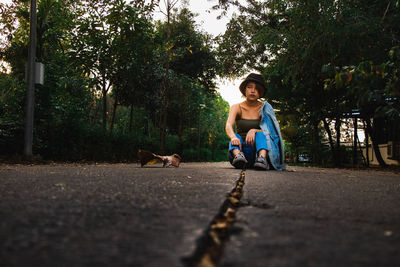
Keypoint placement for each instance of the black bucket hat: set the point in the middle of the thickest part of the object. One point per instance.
(253, 77)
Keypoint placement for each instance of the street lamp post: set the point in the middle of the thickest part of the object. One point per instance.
(30, 94)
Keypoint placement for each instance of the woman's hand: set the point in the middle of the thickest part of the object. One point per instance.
(251, 137)
(236, 142)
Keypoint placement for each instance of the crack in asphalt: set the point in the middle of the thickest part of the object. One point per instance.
(211, 244)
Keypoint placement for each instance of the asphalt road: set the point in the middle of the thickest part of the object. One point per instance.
(124, 215)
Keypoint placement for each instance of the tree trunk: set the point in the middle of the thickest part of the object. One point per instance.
(113, 116)
(316, 147)
(93, 118)
(149, 127)
(198, 138)
(169, 6)
(104, 91)
(366, 144)
(164, 130)
(375, 145)
(180, 121)
(180, 127)
(163, 124)
(160, 123)
(180, 115)
(355, 156)
(131, 119)
(166, 84)
(337, 159)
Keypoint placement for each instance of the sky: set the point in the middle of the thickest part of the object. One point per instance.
(208, 22)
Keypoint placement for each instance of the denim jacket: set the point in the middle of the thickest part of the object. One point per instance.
(270, 127)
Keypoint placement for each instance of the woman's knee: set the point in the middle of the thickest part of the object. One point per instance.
(233, 147)
(261, 141)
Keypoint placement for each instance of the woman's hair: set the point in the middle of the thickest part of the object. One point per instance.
(258, 80)
(259, 88)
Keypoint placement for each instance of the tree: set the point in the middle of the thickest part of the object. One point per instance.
(169, 5)
(52, 105)
(373, 86)
(110, 53)
(290, 41)
(92, 47)
(191, 67)
(133, 47)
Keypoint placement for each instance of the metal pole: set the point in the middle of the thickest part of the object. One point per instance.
(30, 94)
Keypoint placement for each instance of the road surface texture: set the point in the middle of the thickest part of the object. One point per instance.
(124, 215)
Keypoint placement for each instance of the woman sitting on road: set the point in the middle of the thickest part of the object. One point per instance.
(258, 142)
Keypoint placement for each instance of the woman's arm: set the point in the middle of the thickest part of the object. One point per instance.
(233, 111)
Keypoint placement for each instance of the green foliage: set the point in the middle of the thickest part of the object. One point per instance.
(290, 42)
(374, 87)
(11, 114)
(100, 53)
